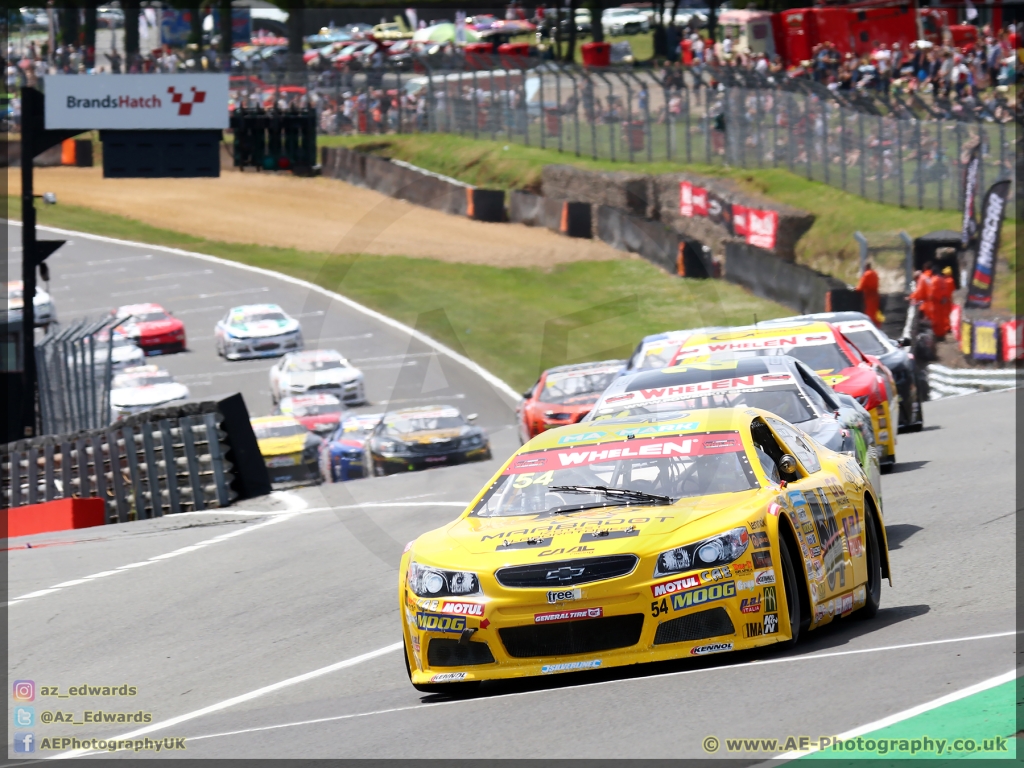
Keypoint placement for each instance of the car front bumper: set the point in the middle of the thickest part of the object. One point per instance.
(296, 470)
(415, 462)
(271, 346)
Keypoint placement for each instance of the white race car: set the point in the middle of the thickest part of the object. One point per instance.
(315, 372)
(124, 353)
(142, 387)
(257, 330)
(45, 313)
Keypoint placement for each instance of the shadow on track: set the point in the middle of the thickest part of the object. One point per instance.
(895, 535)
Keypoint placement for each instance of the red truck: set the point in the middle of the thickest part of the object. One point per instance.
(856, 28)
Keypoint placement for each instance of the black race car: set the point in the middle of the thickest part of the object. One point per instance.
(911, 379)
(424, 437)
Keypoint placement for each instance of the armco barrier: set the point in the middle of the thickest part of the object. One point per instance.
(403, 181)
(769, 277)
(948, 382)
(59, 515)
(190, 457)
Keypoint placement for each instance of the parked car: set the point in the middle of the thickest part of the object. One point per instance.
(624, 21)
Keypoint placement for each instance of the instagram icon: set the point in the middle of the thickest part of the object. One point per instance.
(24, 690)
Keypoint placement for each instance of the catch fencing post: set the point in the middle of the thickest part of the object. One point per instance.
(558, 104)
(216, 459)
(959, 155)
(862, 156)
(809, 132)
(842, 145)
(15, 470)
(543, 116)
(32, 455)
(476, 104)
(198, 501)
(152, 471)
(920, 166)
(82, 454)
(170, 465)
(117, 479)
(492, 116)
(824, 137)
(99, 467)
(981, 157)
(881, 160)
(66, 470)
(131, 453)
(899, 159)
(49, 486)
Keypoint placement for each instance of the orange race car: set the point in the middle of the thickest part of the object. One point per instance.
(564, 395)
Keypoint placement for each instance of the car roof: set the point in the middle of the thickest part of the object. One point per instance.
(700, 421)
(423, 410)
(270, 420)
(256, 308)
(131, 309)
(316, 354)
(686, 374)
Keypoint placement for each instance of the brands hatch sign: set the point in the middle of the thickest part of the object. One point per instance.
(137, 102)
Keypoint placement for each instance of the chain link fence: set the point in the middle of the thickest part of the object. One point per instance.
(892, 150)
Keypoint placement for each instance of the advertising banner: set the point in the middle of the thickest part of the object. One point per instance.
(762, 227)
(137, 102)
(986, 340)
(979, 290)
(970, 193)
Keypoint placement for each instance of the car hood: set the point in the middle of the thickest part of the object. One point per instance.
(488, 535)
(262, 328)
(313, 378)
(153, 395)
(573, 404)
(279, 446)
(855, 381)
(320, 422)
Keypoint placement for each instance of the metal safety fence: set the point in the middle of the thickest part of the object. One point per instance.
(163, 461)
(635, 115)
(74, 370)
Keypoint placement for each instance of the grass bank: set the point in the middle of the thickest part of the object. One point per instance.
(514, 322)
(828, 246)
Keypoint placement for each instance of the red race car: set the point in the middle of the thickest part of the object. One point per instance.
(564, 395)
(317, 413)
(152, 328)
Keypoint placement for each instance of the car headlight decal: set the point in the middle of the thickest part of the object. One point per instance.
(426, 581)
(714, 550)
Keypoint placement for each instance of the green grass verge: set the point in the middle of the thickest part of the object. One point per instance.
(828, 246)
(514, 322)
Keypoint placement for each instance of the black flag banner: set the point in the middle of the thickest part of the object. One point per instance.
(970, 195)
(983, 275)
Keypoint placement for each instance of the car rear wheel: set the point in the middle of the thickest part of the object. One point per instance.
(874, 552)
(793, 597)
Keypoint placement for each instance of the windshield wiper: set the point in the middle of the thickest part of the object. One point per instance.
(625, 494)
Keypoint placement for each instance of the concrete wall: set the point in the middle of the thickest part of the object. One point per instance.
(11, 156)
(770, 277)
(628, 191)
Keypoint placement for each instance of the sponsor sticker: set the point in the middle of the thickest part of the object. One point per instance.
(765, 577)
(750, 605)
(770, 600)
(463, 609)
(570, 615)
(744, 585)
(742, 569)
(716, 574)
(762, 559)
(677, 585)
(702, 595)
(562, 595)
(759, 539)
(570, 666)
(584, 438)
(702, 650)
(448, 677)
(756, 525)
(847, 602)
(433, 622)
(768, 625)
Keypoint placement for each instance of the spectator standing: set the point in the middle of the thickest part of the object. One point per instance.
(868, 288)
(942, 300)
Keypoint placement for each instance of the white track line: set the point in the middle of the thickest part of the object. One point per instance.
(396, 646)
(476, 368)
(296, 504)
(906, 714)
(245, 697)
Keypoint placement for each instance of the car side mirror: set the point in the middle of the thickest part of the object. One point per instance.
(787, 464)
(472, 417)
(527, 394)
(904, 342)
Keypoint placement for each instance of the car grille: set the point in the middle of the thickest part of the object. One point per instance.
(565, 573)
(572, 637)
(696, 626)
(324, 388)
(451, 653)
(438, 447)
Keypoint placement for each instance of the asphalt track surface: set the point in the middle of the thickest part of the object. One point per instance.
(272, 629)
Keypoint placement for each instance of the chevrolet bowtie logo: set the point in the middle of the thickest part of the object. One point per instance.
(566, 573)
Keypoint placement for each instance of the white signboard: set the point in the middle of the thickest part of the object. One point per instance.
(137, 102)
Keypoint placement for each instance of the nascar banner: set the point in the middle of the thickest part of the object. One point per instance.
(983, 275)
(970, 193)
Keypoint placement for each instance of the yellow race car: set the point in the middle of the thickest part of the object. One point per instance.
(642, 539)
(289, 450)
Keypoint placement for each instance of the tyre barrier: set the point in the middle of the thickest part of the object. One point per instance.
(949, 382)
(404, 181)
(183, 458)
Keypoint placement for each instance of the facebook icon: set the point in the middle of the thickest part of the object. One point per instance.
(24, 742)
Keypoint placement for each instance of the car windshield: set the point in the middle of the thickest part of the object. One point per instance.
(658, 357)
(576, 385)
(148, 317)
(401, 425)
(129, 380)
(355, 430)
(265, 431)
(315, 409)
(259, 317)
(867, 342)
(672, 468)
(817, 357)
(309, 364)
(787, 402)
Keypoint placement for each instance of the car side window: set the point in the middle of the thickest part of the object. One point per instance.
(797, 444)
(768, 451)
